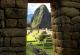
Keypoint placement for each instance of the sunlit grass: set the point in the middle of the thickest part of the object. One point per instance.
(31, 39)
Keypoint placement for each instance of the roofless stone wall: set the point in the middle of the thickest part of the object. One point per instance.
(13, 27)
(66, 27)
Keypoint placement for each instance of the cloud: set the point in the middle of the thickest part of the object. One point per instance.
(33, 6)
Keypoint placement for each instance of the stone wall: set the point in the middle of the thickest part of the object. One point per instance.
(13, 27)
(66, 27)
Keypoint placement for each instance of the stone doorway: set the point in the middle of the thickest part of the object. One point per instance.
(13, 32)
(40, 37)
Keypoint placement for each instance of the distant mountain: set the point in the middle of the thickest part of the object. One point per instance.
(41, 18)
(29, 17)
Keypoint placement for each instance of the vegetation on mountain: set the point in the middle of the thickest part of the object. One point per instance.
(41, 18)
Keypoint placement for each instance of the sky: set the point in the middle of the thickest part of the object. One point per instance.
(33, 6)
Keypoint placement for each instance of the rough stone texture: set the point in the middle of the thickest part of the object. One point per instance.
(71, 4)
(22, 23)
(11, 22)
(18, 41)
(2, 24)
(15, 13)
(60, 28)
(62, 19)
(7, 3)
(21, 3)
(66, 40)
(72, 12)
(58, 35)
(66, 27)
(7, 42)
(1, 41)
(76, 19)
(76, 27)
(72, 0)
(1, 14)
(12, 36)
(75, 35)
(14, 32)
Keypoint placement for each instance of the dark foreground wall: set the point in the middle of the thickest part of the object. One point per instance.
(13, 27)
(66, 27)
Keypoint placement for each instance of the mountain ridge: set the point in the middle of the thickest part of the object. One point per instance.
(41, 18)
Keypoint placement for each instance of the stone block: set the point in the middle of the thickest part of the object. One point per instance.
(8, 53)
(74, 44)
(1, 14)
(22, 23)
(67, 51)
(21, 53)
(62, 43)
(61, 20)
(62, 27)
(11, 22)
(79, 43)
(2, 23)
(1, 41)
(59, 50)
(14, 32)
(76, 19)
(71, 4)
(58, 43)
(18, 41)
(67, 43)
(71, 12)
(6, 42)
(75, 51)
(4, 53)
(57, 28)
(7, 3)
(72, 0)
(1, 33)
(76, 27)
(75, 35)
(65, 36)
(63, 51)
(13, 49)
(57, 53)
(67, 27)
(15, 13)
(18, 49)
(12, 53)
(58, 35)
(21, 3)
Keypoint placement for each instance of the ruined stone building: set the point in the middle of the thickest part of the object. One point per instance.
(65, 22)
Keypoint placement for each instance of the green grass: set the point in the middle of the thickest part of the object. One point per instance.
(29, 51)
(31, 39)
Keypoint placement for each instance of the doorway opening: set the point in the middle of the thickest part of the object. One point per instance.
(39, 34)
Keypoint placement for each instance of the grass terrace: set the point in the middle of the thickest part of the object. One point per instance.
(33, 39)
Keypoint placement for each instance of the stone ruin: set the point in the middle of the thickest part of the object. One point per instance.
(65, 23)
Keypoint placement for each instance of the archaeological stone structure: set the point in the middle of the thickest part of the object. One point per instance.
(13, 27)
(65, 21)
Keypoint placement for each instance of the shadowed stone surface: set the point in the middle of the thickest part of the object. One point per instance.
(15, 13)
(66, 37)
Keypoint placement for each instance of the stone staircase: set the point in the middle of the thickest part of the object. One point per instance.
(47, 42)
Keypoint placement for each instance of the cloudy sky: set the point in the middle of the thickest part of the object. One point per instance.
(33, 6)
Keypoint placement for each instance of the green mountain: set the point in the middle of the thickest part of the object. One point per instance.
(41, 18)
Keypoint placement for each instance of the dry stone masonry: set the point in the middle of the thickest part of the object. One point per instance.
(65, 23)
(13, 27)
(66, 27)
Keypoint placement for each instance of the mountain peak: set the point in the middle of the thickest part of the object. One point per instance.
(41, 17)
